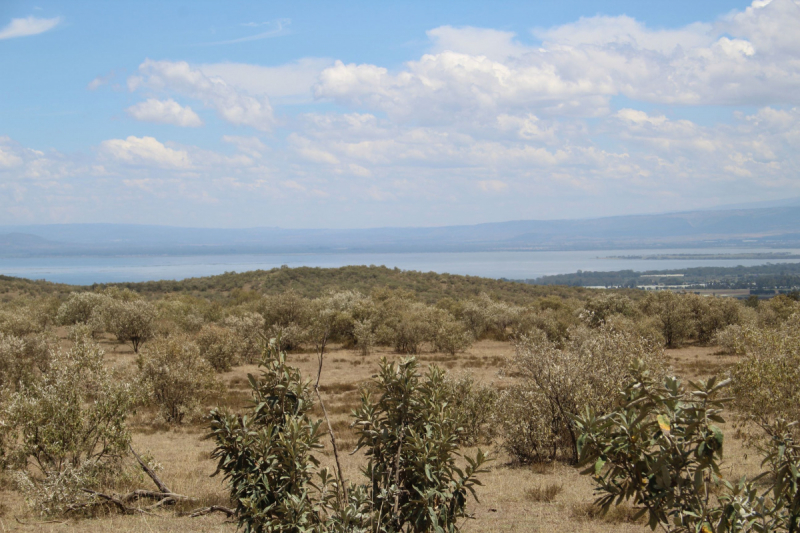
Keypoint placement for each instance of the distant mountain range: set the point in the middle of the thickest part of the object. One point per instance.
(775, 226)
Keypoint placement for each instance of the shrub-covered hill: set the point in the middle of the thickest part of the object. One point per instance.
(310, 282)
(11, 287)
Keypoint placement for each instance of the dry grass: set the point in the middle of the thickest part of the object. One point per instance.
(550, 497)
(544, 493)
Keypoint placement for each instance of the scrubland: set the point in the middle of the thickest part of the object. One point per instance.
(518, 369)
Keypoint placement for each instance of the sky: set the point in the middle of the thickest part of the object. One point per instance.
(368, 114)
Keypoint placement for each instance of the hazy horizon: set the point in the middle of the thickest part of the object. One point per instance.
(376, 115)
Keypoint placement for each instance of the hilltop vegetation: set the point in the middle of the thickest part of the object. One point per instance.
(310, 282)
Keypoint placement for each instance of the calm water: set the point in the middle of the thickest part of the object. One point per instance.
(512, 265)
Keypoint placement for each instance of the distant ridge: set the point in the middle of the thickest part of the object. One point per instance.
(769, 226)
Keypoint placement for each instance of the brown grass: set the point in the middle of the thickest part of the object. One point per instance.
(544, 493)
(547, 497)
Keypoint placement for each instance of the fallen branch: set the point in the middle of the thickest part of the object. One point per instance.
(149, 471)
(36, 522)
(142, 494)
(109, 498)
(202, 511)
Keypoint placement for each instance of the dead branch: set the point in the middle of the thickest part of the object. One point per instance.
(37, 522)
(164, 497)
(202, 511)
(149, 471)
(109, 498)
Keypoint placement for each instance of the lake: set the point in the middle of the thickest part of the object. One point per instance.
(511, 265)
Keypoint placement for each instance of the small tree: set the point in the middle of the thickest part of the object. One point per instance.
(473, 405)
(365, 336)
(22, 359)
(174, 377)
(250, 330)
(131, 321)
(674, 315)
(599, 309)
(451, 336)
(219, 346)
(69, 425)
(80, 307)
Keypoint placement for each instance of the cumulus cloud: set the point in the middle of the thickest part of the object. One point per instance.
(594, 112)
(232, 105)
(8, 159)
(145, 151)
(470, 74)
(165, 112)
(494, 44)
(28, 26)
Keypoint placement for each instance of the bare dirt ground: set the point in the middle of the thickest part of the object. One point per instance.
(509, 499)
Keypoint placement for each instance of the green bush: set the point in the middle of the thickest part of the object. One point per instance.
(80, 307)
(268, 457)
(219, 346)
(473, 405)
(249, 328)
(22, 360)
(661, 450)
(557, 382)
(765, 380)
(450, 336)
(174, 377)
(365, 336)
(67, 430)
(131, 321)
(410, 436)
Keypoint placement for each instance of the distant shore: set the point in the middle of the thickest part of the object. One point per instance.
(712, 257)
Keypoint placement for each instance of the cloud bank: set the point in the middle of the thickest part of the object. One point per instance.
(601, 116)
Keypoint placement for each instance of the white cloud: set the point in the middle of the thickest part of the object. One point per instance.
(234, 106)
(493, 186)
(99, 81)
(494, 44)
(291, 82)
(451, 86)
(145, 151)
(251, 146)
(475, 75)
(483, 112)
(636, 117)
(624, 32)
(165, 112)
(28, 26)
(8, 159)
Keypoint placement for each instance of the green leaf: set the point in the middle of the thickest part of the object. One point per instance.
(664, 424)
(598, 466)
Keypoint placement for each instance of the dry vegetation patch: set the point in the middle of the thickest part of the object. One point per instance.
(466, 326)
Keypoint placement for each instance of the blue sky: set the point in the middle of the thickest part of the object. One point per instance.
(363, 114)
